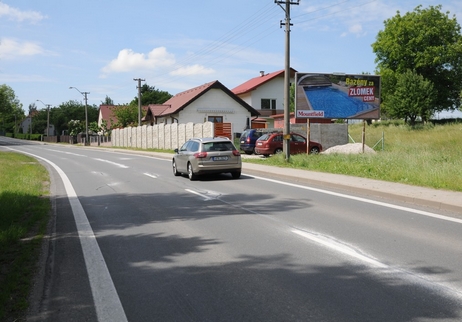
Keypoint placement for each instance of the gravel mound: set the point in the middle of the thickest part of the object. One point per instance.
(350, 148)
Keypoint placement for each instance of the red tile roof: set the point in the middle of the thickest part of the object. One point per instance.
(183, 99)
(253, 83)
(107, 114)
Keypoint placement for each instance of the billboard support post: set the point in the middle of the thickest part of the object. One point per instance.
(363, 137)
(308, 133)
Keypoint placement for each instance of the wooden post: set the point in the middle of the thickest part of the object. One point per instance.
(363, 138)
(308, 134)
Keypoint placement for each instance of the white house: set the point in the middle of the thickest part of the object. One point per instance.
(209, 102)
(265, 93)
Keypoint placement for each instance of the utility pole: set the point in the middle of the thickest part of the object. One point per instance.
(139, 80)
(86, 113)
(287, 24)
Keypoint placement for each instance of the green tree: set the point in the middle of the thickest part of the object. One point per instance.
(101, 130)
(413, 97)
(75, 127)
(11, 111)
(93, 127)
(151, 95)
(39, 121)
(107, 101)
(72, 110)
(126, 115)
(292, 98)
(8, 100)
(428, 42)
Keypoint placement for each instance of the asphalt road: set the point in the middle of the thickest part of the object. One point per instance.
(131, 242)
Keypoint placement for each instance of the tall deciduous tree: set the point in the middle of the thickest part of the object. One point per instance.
(151, 95)
(413, 97)
(107, 101)
(11, 111)
(71, 110)
(428, 42)
(8, 100)
(126, 115)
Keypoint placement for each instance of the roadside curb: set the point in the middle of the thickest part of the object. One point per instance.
(437, 199)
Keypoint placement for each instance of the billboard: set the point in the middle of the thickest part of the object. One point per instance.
(337, 96)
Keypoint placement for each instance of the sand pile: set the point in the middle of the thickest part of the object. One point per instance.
(351, 148)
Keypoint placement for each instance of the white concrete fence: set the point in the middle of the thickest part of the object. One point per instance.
(160, 136)
(171, 136)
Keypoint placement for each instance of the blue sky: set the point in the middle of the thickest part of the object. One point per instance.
(101, 46)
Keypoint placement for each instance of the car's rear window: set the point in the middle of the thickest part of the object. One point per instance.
(218, 146)
(264, 137)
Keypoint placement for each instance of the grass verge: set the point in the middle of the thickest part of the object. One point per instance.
(428, 156)
(24, 214)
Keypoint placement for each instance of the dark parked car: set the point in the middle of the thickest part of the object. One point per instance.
(271, 143)
(248, 139)
(207, 155)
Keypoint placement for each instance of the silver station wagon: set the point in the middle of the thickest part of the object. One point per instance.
(200, 156)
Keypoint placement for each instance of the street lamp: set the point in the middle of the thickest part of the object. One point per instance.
(86, 114)
(48, 116)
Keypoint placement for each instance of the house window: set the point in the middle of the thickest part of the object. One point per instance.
(268, 104)
(215, 119)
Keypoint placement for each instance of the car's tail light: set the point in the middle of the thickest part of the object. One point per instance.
(200, 155)
(236, 153)
(248, 140)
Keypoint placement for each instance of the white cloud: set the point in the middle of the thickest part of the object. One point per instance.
(11, 48)
(192, 70)
(159, 59)
(356, 29)
(18, 15)
(23, 78)
(345, 16)
(128, 60)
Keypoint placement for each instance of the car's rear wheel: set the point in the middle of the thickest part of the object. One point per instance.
(248, 152)
(191, 174)
(236, 174)
(175, 170)
(278, 151)
(314, 150)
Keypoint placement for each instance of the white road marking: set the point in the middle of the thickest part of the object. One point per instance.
(379, 203)
(113, 163)
(70, 153)
(150, 175)
(107, 302)
(206, 198)
(341, 248)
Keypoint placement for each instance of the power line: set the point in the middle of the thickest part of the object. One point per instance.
(241, 32)
(255, 21)
(331, 13)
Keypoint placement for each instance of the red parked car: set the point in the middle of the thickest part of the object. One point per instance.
(271, 143)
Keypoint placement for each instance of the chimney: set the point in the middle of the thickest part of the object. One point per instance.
(262, 73)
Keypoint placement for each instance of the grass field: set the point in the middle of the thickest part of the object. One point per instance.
(429, 156)
(24, 213)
